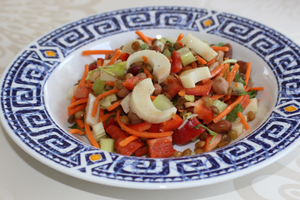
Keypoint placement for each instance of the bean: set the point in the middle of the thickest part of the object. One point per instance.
(135, 46)
(213, 66)
(203, 136)
(250, 116)
(220, 85)
(177, 154)
(222, 126)
(232, 134)
(215, 110)
(198, 150)
(79, 114)
(133, 118)
(128, 75)
(155, 48)
(225, 137)
(177, 46)
(134, 70)
(228, 54)
(71, 119)
(220, 57)
(118, 84)
(109, 56)
(124, 119)
(149, 68)
(243, 66)
(187, 152)
(223, 143)
(141, 75)
(157, 89)
(208, 102)
(123, 92)
(200, 144)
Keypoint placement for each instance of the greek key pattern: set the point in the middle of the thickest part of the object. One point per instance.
(24, 110)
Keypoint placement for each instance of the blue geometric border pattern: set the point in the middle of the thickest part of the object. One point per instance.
(25, 112)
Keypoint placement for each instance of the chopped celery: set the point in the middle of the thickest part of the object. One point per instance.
(189, 97)
(116, 69)
(230, 61)
(107, 144)
(187, 58)
(237, 87)
(98, 131)
(163, 40)
(106, 101)
(183, 50)
(98, 86)
(186, 115)
(144, 46)
(167, 53)
(220, 105)
(161, 102)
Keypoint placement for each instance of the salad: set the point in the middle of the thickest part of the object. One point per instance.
(150, 94)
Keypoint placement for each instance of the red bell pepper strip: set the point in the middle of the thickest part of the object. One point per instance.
(143, 126)
(211, 144)
(245, 101)
(128, 149)
(200, 90)
(173, 89)
(172, 124)
(176, 65)
(124, 56)
(154, 128)
(187, 132)
(141, 151)
(115, 132)
(81, 92)
(161, 147)
(129, 82)
(204, 113)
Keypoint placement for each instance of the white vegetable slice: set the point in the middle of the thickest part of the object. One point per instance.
(125, 103)
(203, 49)
(142, 106)
(127, 47)
(190, 77)
(90, 120)
(98, 131)
(71, 92)
(159, 62)
(252, 106)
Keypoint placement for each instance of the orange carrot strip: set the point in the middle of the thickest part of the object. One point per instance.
(80, 101)
(217, 48)
(200, 60)
(78, 108)
(152, 97)
(86, 71)
(248, 71)
(228, 109)
(114, 105)
(230, 76)
(256, 88)
(110, 83)
(211, 62)
(105, 117)
(170, 59)
(93, 52)
(143, 37)
(99, 97)
(243, 120)
(180, 36)
(70, 108)
(217, 96)
(90, 135)
(115, 57)
(214, 72)
(79, 132)
(223, 71)
(139, 133)
(227, 97)
(194, 64)
(248, 87)
(146, 71)
(100, 61)
(80, 123)
(145, 59)
(101, 113)
(181, 92)
(150, 38)
(127, 140)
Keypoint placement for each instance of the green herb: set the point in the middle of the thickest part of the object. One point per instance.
(252, 94)
(140, 71)
(171, 48)
(233, 114)
(144, 46)
(219, 44)
(209, 131)
(238, 78)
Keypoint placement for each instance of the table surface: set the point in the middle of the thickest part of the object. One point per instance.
(23, 177)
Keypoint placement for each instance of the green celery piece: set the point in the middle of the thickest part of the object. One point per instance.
(144, 46)
(189, 97)
(230, 61)
(232, 116)
(116, 69)
(161, 102)
(209, 131)
(187, 58)
(167, 53)
(107, 144)
(98, 86)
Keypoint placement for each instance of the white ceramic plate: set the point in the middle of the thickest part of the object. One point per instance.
(34, 108)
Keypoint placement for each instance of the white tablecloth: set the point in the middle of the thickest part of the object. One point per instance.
(23, 177)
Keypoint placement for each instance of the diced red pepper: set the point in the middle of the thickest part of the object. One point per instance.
(143, 126)
(161, 147)
(176, 65)
(172, 124)
(204, 113)
(81, 92)
(141, 151)
(124, 56)
(210, 145)
(110, 121)
(200, 90)
(93, 66)
(154, 128)
(187, 132)
(173, 89)
(128, 149)
(245, 101)
(115, 132)
(129, 82)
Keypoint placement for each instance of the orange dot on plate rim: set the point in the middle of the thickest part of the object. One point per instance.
(50, 53)
(207, 22)
(290, 108)
(95, 157)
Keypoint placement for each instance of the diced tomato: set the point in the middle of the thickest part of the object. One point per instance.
(200, 90)
(81, 92)
(143, 126)
(124, 56)
(204, 113)
(115, 132)
(93, 66)
(155, 128)
(172, 124)
(128, 149)
(172, 89)
(110, 121)
(176, 65)
(245, 101)
(161, 147)
(141, 151)
(187, 132)
(210, 145)
(172, 79)
(129, 82)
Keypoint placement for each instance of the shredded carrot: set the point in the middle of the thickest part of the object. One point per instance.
(152, 97)
(146, 71)
(70, 108)
(99, 97)
(79, 132)
(150, 38)
(139, 133)
(78, 108)
(200, 60)
(236, 85)
(227, 97)
(145, 59)
(90, 135)
(211, 62)
(230, 76)
(88, 85)
(93, 52)
(256, 88)
(101, 113)
(243, 120)
(217, 48)
(223, 71)
(80, 123)
(170, 59)
(228, 109)
(86, 71)
(115, 57)
(181, 92)
(100, 61)
(127, 140)
(114, 105)
(217, 96)
(214, 72)
(80, 101)
(110, 83)
(178, 78)
(105, 117)
(143, 37)
(248, 87)
(194, 65)
(180, 36)
(248, 71)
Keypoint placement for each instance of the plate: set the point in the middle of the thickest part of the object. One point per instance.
(34, 108)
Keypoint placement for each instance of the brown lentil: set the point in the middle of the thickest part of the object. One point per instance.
(124, 119)
(215, 110)
(203, 136)
(177, 154)
(223, 143)
(79, 114)
(157, 89)
(135, 46)
(141, 75)
(128, 75)
(200, 144)
(177, 46)
(208, 102)
(233, 134)
(71, 119)
(198, 150)
(187, 152)
(250, 116)
(118, 84)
